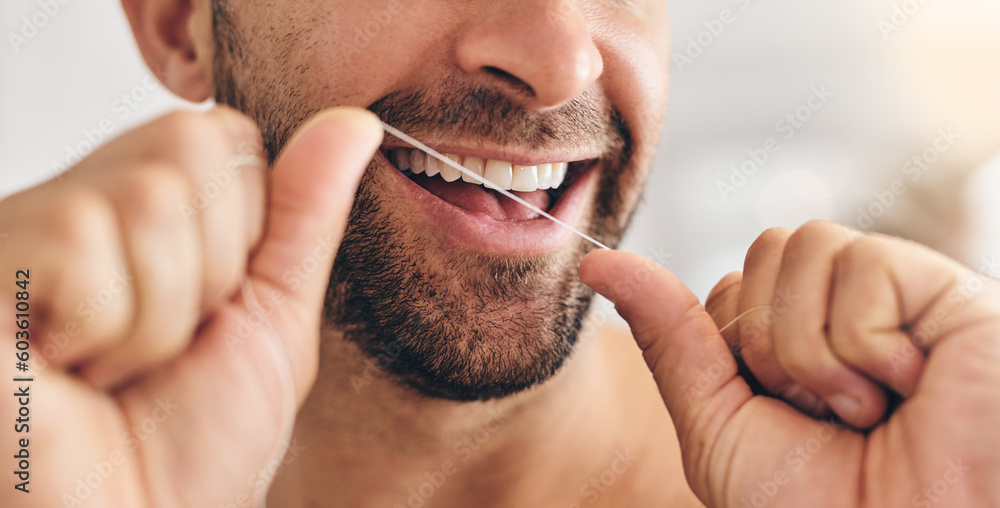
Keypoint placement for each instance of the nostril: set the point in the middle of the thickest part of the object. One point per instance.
(518, 84)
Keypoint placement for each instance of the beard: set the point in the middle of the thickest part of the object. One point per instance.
(449, 324)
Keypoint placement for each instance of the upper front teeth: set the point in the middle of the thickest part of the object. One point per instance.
(498, 174)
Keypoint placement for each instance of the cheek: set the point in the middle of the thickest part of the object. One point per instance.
(636, 78)
(636, 81)
(360, 53)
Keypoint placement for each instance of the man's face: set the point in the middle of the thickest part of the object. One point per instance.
(469, 294)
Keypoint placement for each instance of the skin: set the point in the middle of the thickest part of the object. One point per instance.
(162, 353)
(400, 286)
(901, 320)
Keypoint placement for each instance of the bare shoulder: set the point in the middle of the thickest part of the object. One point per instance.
(624, 357)
(658, 476)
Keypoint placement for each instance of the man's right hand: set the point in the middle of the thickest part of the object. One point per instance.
(154, 385)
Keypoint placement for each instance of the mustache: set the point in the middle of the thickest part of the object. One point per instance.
(487, 116)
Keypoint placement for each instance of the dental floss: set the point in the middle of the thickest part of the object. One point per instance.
(479, 179)
(278, 354)
(748, 311)
(430, 151)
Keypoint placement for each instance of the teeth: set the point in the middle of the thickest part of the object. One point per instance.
(401, 158)
(544, 176)
(432, 166)
(498, 174)
(418, 160)
(558, 173)
(525, 179)
(476, 165)
(449, 173)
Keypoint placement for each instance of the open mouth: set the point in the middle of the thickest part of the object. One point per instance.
(542, 185)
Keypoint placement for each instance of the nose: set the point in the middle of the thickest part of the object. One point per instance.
(539, 49)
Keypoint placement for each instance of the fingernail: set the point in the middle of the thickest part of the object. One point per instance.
(845, 406)
(801, 398)
(360, 116)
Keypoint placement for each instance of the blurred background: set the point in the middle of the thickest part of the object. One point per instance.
(880, 114)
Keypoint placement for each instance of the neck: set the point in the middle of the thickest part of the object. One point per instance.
(364, 440)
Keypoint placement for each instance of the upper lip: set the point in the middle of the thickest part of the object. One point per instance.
(520, 158)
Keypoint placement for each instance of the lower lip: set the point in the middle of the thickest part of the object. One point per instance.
(475, 232)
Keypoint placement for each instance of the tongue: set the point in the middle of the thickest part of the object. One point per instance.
(477, 198)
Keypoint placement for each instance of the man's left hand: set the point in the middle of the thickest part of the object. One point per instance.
(834, 327)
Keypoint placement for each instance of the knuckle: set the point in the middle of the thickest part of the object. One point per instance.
(865, 253)
(186, 125)
(820, 227)
(814, 232)
(239, 125)
(729, 283)
(83, 236)
(771, 240)
(189, 136)
(78, 217)
(153, 193)
(207, 143)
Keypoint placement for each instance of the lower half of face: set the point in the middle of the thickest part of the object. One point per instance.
(469, 294)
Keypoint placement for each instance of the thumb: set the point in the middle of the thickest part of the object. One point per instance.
(693, 368)
(311, 192)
